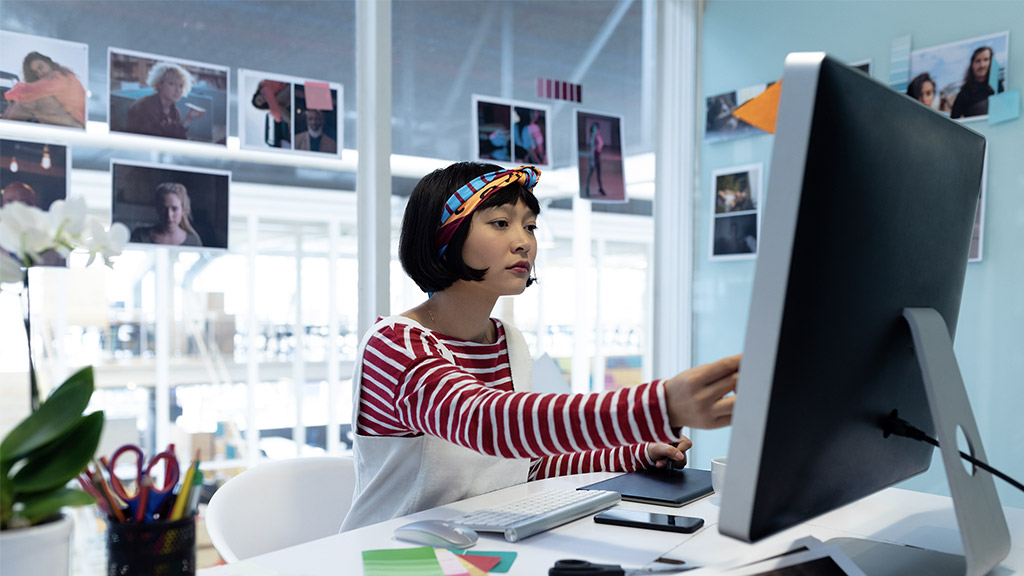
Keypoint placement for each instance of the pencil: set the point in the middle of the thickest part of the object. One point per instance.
(183, 494)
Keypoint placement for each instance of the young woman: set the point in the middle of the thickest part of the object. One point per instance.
(174, 215)
(442, 407)
(972, 100)
(50, 94)
(157, 114)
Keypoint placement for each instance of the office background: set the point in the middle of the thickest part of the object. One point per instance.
(266, 332)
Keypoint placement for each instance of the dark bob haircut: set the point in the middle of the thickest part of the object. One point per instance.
(416, 246)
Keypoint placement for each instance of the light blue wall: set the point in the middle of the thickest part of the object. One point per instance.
(745, 43)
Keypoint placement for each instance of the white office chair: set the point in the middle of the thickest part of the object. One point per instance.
(280, 504)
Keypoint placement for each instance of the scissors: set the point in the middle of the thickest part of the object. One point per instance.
(146, 497)
(585, 568)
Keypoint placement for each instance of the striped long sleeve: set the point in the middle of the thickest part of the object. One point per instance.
(411, 386)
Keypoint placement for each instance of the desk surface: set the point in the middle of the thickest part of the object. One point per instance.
(892, 515)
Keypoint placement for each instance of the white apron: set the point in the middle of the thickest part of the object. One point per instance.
(399, 476)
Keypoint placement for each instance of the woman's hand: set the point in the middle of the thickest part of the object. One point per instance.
(699, 397)
(193, 114)
(665, 455)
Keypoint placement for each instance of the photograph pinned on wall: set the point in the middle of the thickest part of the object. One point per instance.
(167, 97)
(511, 132)
(599, 160)
(957, 79)
(168, 205)
(318, 118)
(35, 173)
(735, 212)
(530, 134)
(720, 124)
(272, 113)
(42, 80)
(492, 129)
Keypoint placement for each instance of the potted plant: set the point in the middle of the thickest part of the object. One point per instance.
(51, 446)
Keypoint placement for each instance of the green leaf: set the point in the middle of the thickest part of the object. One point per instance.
(42, 507)
(60, 462)
(53, 419)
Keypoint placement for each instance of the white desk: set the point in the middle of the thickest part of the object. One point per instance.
(893, 515)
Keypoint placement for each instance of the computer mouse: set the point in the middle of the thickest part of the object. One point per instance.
(437, 533)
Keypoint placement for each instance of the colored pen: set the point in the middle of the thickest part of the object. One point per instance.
(115, 504)
(140, 512)
(197, 489)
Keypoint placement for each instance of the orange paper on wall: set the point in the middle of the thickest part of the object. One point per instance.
(761, 110)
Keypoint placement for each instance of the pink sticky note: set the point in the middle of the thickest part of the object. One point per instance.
(484, 563)
(318, 96)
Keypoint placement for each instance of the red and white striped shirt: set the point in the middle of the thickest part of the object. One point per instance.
(409, 388)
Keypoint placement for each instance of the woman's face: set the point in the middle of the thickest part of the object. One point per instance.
(170, 87)
(40, 67)
(501, 239)
(171, 210)
(927, 93)
(980, 65)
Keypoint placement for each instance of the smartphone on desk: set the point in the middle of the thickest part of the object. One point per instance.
(650, 520)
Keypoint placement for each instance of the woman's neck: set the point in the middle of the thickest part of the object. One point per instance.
(459, 313)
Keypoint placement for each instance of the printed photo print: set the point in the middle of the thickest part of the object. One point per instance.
(34, 173)
(599, 157)
(170, 205)
(530, 135)
(41, 80)
(735, 212)
(719, 122)
(492, 128)
(957, 78)
(274, 113)
(167, 97)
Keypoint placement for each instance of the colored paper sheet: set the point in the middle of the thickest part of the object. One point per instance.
(471, 569)
(507, 558)
(1004, 107)
(450, 564)
(762, 110)
(406, 561)
(482, 563)
(318, 96)
(899, 63)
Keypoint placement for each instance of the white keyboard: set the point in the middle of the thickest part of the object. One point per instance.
(538, 512)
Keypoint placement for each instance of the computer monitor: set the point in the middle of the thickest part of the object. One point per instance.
(869, 211)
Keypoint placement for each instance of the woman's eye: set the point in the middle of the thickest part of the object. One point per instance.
(500, 223)
(531, 227)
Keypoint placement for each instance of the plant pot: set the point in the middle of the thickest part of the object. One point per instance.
(41, 550)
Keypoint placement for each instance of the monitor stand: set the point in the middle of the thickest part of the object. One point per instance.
(983, 528)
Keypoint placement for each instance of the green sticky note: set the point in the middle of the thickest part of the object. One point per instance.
(507, 558)
(401, 562)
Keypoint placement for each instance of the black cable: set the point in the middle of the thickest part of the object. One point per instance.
(893, 424)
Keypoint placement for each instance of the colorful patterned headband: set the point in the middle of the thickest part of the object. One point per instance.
(466, 199)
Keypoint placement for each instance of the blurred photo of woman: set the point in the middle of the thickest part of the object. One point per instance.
(922, 89)
(174, 215)
(157, 114)
(50, 94)
(973, 97)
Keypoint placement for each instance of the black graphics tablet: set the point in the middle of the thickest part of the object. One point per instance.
(664, 487)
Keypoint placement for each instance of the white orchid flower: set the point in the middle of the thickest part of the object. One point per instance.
(25, 232)
(107, 243)
(67, 220)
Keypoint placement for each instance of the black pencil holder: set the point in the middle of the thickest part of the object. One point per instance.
(153, 549)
